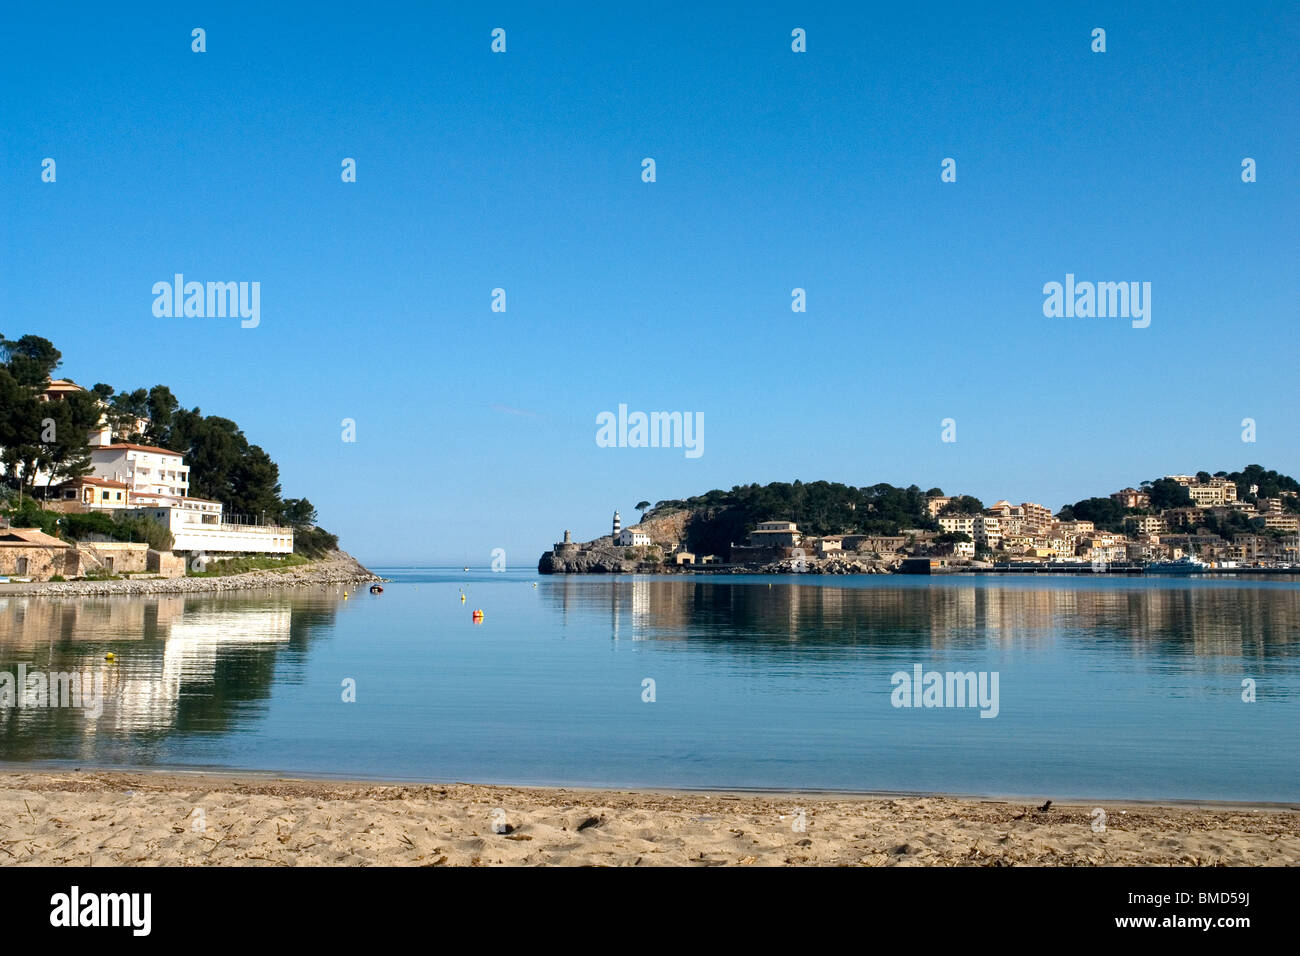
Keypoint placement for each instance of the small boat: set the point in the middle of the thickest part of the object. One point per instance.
(376, 589)
(1187, 564)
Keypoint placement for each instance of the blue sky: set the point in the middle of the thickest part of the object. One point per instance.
(775, 170)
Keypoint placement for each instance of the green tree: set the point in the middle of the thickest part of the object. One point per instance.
(65, 425)
(161, 406)
(1106, 514)
(31, 360)
(298, 513)
(215, 448)
(255, 485)
(127, 408)
(1166, 493)
(20, 430)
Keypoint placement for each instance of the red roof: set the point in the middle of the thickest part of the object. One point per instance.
(149, 448)
(92, 480)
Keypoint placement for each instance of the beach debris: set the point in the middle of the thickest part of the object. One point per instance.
(590, 822)
(1045, 807)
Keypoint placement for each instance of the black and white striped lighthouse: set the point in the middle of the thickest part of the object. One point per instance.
(618, 524)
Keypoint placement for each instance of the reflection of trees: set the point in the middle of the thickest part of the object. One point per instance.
(186, 664)
(829, 614)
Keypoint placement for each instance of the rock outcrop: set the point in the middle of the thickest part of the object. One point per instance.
(587, 559)
(338, 567)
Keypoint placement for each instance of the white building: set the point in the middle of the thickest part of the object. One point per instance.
(633, 537)
(987, 531)
(146, 470)
(158, 482)
(198, 525)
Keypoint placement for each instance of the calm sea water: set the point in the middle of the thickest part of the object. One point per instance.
(1107, 688)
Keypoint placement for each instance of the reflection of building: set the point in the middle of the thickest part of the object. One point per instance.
(181, 662)
(193, 645)
(828, 613)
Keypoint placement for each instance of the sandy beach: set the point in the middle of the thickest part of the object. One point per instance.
(84, 818)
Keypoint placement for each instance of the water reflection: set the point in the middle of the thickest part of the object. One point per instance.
(183, 664)
(1200, 618)
(1108, 688)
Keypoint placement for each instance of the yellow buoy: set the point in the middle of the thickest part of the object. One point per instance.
(110, 656)
(462, 599)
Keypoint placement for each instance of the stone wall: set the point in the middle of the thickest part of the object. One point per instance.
(42, 562)
(166, 564)
(117, 557)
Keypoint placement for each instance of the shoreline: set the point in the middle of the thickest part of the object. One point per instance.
(338, 567)
(171, 817)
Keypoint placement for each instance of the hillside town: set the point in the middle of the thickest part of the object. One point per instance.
(129, 480)
(1179, 523)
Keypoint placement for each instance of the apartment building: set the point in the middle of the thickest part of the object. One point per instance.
(1131, 498)
(145, 469)
(955, 523)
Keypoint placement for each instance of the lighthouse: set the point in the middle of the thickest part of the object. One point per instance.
(618, 525)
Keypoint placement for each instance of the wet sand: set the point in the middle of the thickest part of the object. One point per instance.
(99, 818)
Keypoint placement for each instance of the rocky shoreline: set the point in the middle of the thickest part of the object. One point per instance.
(596, 558)
(338, 567)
